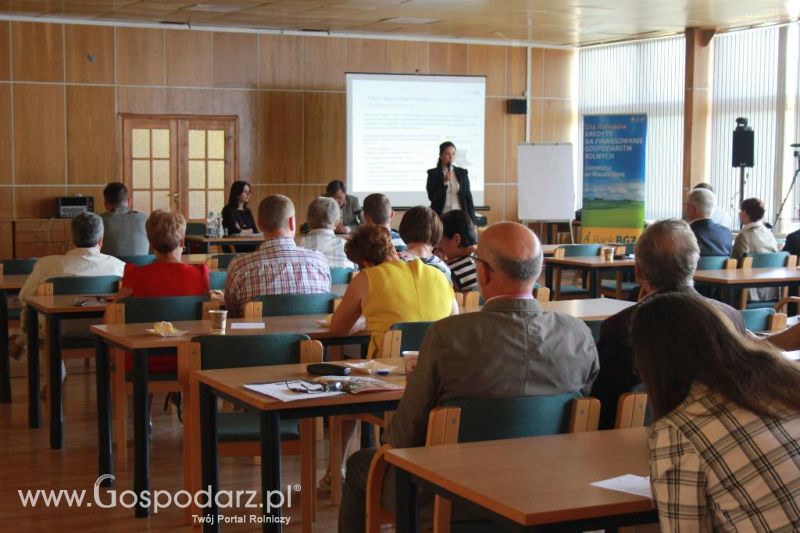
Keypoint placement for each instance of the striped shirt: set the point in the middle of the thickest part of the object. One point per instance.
(464, 273)
(279, 266)
(330, 245)
(715, 466)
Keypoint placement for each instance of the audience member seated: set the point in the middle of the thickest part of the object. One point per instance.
(378, 211)
(718, 216)
(712, 238)
(792, 244)
(236, 216)
(755, 238)
(389, 290)
(458, 245)
(323, 215)
(726, 433)
(123, 228)
(542, 353)
(666, 258)
(350, 210)
(167, 276)
(279, 266)
(421, 229)
(83, 260)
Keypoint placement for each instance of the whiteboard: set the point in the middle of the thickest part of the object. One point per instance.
(546, 182)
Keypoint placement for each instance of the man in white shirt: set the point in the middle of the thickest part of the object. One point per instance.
(323, 215)
(83, 260)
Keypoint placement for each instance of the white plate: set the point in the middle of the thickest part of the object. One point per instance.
(175, 333)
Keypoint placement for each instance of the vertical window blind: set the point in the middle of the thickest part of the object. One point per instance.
(745, 84)
(641, 77)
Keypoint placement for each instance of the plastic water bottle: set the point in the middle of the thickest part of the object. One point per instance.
(210, 229)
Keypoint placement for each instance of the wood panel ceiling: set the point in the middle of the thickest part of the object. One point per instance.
(554, 22)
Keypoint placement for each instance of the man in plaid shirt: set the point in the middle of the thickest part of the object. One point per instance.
(279, 266)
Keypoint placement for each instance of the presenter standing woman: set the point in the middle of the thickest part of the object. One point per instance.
(237, 218)
(448, 185)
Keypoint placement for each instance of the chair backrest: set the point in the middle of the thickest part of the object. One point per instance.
(341, 276)
(578, 250)
(195, 228)
(765, 260)
(763, 319)
(236, 351)
(137, 259)
(542, 294)
(134, 310)
(290, 304)
(594, 326)
(632, 410)
(404, 336)
(221, 261)
(508, 418)
(630, 248)
(14, 267)
(82, 285)
(715, 262)
(216, 279)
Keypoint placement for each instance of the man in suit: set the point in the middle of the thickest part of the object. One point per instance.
(124, 228)
(348, 204)
(792, 244)
(543, 353)
(666, 258)
(718, 216)
(712, 238)
(448, 185)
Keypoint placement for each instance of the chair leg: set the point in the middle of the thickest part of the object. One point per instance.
(308, 477)
(120, 409)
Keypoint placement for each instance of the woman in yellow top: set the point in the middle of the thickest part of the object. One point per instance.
(388, 289)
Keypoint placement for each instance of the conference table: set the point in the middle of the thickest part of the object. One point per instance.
(228, 384)
(729, 282)
(517, 483)
(8, 284)
(594, 265)
(55, 308)
(206, 243)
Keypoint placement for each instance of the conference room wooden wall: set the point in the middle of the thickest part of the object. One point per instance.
(62, 87)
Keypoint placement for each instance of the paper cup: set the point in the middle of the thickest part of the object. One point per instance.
(219, 319)
(410, 360)
(608, 254)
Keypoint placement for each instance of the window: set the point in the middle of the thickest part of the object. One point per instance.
(641, 77)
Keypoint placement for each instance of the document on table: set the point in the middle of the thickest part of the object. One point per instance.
(280, 391)
(248, 325)
(638, 485)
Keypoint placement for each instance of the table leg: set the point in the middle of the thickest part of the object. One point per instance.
(366, 435)
(54, 362)
(141, 437)
(34, 409)
(208, 445)
(406, 496)
(548, 277)
(271, 468)
(594, 283)
(5, 366)
(106, 460)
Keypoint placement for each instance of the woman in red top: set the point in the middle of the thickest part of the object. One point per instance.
(166, 276)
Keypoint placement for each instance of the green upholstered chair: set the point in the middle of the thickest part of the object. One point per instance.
(341, 276)
(290, 304)
(137, 259)
(221, 261)
(573, 290)
(763, 319)
(216, 279)
(404, 336)
(765, 260)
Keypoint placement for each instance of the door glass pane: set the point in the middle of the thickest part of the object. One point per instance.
(216, 200)
(141, 201)
(141, 174)
(216, 174)
(140, 143)
(161, 173)
(197, 174)
(161, 144)
(161, 200)
(197, 144)
(216, 144)
(197, 204)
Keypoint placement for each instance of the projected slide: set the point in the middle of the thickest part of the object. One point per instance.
(395, 124)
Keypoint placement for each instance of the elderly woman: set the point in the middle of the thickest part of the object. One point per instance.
(421, 229)
(726, 420)
(322, 217)
(167, 276)
(389, 290)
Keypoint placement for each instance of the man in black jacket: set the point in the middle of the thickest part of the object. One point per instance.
(448, 185)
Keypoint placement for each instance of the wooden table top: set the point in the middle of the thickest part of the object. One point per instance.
(224, 240)
(66, 303)
(588, 309)
(12, 281)
(136, 336)
(594, 261)
(549, 249)
(748, 275)
(196, 259)
(520, 480)
(231, 381)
